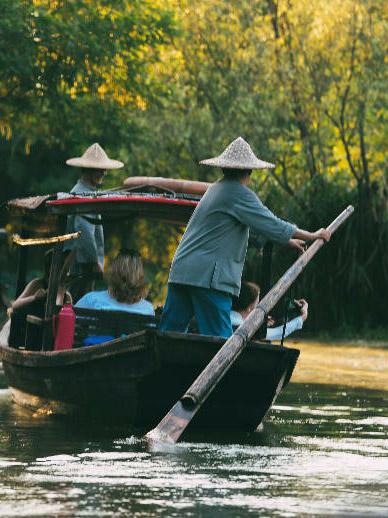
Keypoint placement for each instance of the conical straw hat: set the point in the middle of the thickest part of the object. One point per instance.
(95, 158)
(238, 155)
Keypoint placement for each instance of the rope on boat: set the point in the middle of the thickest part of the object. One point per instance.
(44, 240)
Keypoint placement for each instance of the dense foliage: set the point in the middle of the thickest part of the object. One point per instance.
(164, 84)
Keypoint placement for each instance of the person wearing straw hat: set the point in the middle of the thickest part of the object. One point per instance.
(89, 247)
(208, 263)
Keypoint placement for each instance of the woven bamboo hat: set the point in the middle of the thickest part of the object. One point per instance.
(238, 155)
(95, 158)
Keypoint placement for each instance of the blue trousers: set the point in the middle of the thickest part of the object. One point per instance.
(211, 309)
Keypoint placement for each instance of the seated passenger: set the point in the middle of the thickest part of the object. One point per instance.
(246, 302)
(126, 289)
(36, 289)
(30, 301)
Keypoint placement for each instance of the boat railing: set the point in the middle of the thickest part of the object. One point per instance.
(96, 322)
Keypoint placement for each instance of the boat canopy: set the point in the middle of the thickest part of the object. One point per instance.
(151, 200)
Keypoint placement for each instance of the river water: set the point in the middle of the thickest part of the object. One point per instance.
(323, 451)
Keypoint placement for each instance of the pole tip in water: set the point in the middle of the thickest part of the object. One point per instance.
(155, 435)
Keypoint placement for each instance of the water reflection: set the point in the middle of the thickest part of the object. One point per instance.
(324, 450)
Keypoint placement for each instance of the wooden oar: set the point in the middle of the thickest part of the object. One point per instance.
(178, 418)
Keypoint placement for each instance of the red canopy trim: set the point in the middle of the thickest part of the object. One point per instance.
(146, 199)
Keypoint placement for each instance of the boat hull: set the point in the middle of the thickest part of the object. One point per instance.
(139, 379)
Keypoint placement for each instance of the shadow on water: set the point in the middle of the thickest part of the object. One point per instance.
(323, 451)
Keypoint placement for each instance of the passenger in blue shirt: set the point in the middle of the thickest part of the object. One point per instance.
(247, 300)
(126, 288)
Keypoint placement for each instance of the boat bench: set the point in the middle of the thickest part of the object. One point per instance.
(98, 322)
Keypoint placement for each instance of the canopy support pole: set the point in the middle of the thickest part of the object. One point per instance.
(52, 290)
(22, 267)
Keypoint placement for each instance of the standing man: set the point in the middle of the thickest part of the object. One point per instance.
(207, 266)
(89, 247)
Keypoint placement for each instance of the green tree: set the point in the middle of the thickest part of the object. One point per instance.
(304, 82)
(165, 84)
(73, 72)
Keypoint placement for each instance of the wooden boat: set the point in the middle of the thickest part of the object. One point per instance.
(138, 379)
(138, 376)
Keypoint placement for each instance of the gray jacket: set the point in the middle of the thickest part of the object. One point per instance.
(89, 247)
(212, 251)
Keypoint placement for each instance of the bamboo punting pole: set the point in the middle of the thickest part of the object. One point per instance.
(172, 426)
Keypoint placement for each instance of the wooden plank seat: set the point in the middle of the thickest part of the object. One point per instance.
(94, 322)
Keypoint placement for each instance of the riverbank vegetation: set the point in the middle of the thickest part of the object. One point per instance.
(163, 84)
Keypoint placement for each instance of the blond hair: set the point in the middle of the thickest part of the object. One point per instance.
(125, 277)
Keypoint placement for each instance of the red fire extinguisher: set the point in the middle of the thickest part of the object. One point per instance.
(63, 328)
